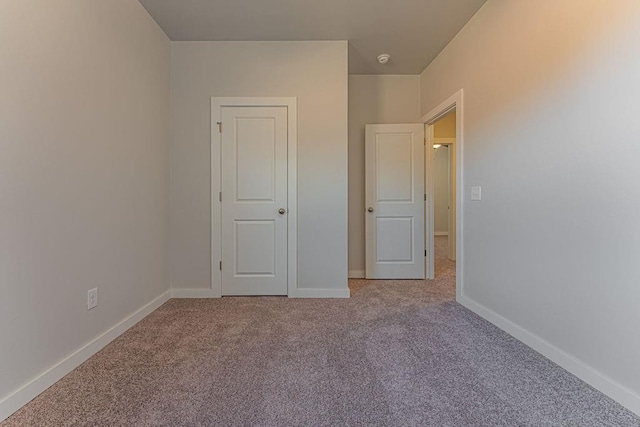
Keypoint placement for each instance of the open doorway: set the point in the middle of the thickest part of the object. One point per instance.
(448, 113)
(444, 194)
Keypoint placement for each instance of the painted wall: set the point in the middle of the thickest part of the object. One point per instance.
(372, 99)
(441, 190)
(84, 175)
(547, 87)
(315, 73)
(446, 126)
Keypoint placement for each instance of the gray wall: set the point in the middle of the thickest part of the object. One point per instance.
(84, 175)
(372, 99)
(315, 73)
(551, 134)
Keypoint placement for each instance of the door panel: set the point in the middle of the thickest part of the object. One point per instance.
(394, 239)
(394, 172)
(254, 189)
(394, 156)
(255, 243)
(255, 154)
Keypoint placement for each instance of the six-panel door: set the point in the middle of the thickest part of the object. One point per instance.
(254, 200)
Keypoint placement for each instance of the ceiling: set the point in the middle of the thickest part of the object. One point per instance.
(413, 32)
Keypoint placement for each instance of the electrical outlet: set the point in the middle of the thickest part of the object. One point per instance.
(92, 298)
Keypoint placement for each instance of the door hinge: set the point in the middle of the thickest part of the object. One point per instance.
(425, 252)
(220, 265)
(425, 197)
(219, 126)
(220, 196)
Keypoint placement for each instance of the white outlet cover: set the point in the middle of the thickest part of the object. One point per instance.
(476, 193)
(92, 298)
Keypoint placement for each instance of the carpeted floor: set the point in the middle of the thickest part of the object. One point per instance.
(397, 353)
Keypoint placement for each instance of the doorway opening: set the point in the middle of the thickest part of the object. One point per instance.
(444, 193)
(447, 116)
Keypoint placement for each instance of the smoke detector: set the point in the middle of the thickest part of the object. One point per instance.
(384, 58)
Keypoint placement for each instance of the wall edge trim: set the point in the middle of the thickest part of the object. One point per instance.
(194, 293)
(29, 391)
(601, 382)
(320, 293)
(356, 274)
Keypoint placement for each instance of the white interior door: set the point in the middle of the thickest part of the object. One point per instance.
(395, 201)
(254, 200)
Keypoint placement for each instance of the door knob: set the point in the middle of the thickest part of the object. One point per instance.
(370, 209)
(282, 211)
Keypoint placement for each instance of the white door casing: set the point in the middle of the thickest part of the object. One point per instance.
(395, 206)
(254, 202)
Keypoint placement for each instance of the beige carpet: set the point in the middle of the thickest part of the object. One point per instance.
(397, 353)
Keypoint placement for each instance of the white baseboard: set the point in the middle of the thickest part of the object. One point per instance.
(440, 233)
(46, 379)
(321, 293)
(596, 379)
(194, 293)
(298, 293)
(586, 373)
(356, 274)
(26, 393)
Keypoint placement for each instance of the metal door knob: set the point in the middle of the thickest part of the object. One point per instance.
(282, 211)
(370, 209)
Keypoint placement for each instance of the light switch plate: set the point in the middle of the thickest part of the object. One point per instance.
(92, 298)
(476, 193)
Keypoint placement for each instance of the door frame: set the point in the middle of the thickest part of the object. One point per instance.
(217, 103)
(455, 101)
